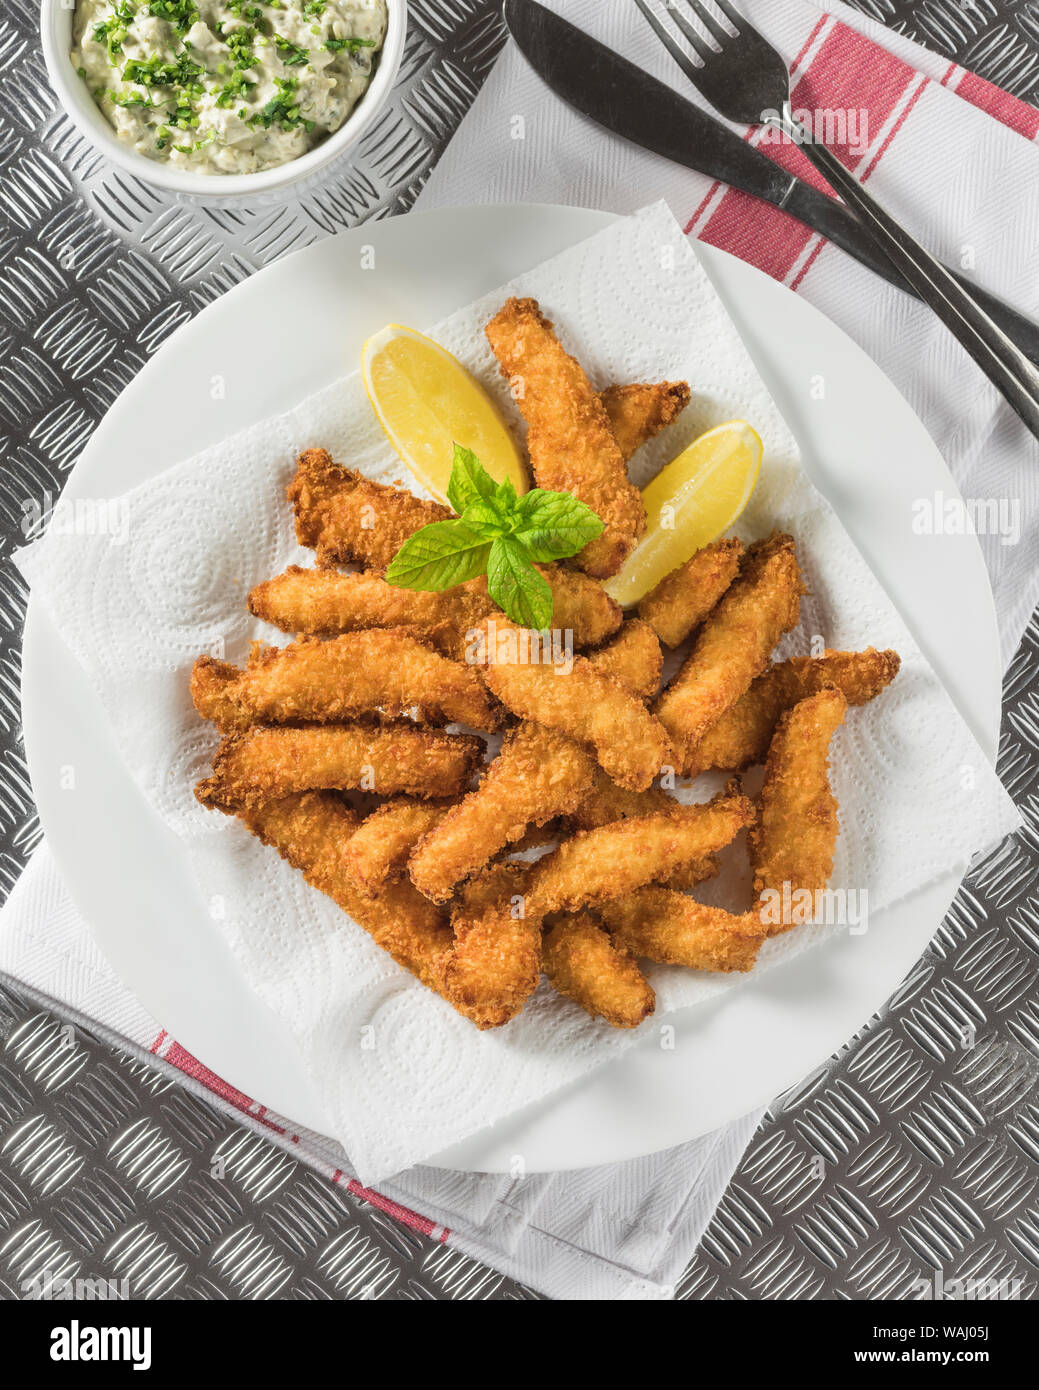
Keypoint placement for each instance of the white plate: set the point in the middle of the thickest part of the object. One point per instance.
(298, 326)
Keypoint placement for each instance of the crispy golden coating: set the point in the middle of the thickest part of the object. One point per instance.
(323, 602)
(683, 598)
(538, 775)
(613, 860)
(591, 707)
(633, 657)
(579, 605)
(791, 847)
(386, 671)
(673, 928)
(571, 444)
(313, 832)
(266, 763)
(733, 645)
(638, 413)
(608, 802)
(742, 735)
(583, 962)
(495, 965)
(348, 519)
(379, 851)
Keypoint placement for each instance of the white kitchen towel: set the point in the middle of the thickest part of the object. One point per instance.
(949, 154)
(136, 607)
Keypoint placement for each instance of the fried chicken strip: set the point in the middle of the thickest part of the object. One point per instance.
(633, 657)
(613, 860)
(591, 707)
(638, 413)
(313, 831)
(584, 963)
(673, 928)
(791, 847)
(733, 645)
(386, 670)
(323, 602)
(571, 444)
(266, 763)
(348, 519)
(742, 735)
(683, 598)
(379, 850)
(538, 775)
(495, 964)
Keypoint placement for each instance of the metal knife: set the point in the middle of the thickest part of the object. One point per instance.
(621, 97)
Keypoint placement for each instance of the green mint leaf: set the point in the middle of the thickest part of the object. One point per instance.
(486, 519)
(553, 525)
(516, 587)
(439, 556)
(470, 481)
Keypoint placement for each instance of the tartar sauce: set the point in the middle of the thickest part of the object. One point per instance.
(226, 86)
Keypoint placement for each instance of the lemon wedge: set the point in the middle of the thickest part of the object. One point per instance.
(427, 402)
(690, 503)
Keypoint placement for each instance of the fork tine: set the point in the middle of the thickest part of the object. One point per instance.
(733, 16)
(708, 21)
(675, 49)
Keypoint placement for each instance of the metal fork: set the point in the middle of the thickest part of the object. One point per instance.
(746, 80)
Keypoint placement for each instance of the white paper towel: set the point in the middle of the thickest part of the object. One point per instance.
(402, 1075)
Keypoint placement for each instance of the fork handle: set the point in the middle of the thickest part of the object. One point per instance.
(1003, 363)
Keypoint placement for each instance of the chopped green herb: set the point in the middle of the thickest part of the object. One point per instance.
(351, 45)
(282, 109)
(182, 14)
(291, 55)
(154, 72)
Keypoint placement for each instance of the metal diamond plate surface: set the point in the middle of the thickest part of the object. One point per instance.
(915, 1148)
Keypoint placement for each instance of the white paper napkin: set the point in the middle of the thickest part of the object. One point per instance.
(634, 304)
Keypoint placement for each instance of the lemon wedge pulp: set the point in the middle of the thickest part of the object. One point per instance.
(690, 503)
(427, 402)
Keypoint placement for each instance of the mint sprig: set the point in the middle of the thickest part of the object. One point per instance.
(498, 534)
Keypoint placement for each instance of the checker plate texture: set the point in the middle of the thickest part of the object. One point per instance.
(906, 1153)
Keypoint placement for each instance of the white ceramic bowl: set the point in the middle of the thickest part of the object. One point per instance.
(56, 27)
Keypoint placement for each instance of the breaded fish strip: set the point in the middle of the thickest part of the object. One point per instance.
(613, 860)
(734, 644)
(583, 962)
(348, 519)
(586, 704)
(263, 763)
(741, 736)
(673, 928)
(633, 657)
(379, 851)
(792, 844)
(323, 602)
(495, 965)
(683, 598)
(385, 671)
(539, 774)
(639, 412)
(572, 447)
(313, 832)
(608, 802)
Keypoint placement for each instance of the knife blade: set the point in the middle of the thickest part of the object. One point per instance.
(618, 95)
